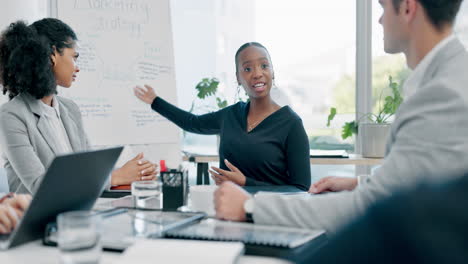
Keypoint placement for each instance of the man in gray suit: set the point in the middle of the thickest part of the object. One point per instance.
(429, 137)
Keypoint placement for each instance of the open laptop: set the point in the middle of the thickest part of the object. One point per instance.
(72, 182)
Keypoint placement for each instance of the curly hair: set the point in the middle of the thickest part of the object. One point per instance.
(25, 56)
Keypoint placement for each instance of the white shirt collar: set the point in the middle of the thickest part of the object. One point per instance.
(415, 78)
(51, 110)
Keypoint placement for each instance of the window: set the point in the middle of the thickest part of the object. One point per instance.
(312, 45)
(314, 65)
(313, 48)
(383, 65)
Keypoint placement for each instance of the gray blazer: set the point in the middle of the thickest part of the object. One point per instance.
(428, 142)
(28, 144)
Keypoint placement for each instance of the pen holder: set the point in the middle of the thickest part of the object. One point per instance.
(174, 189)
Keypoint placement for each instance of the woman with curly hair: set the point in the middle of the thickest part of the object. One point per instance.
(36, 124)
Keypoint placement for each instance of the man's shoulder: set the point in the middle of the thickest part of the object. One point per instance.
(446, 77)
(449, 79)
(450, 64)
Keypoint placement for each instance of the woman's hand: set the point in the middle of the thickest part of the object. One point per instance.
(136, 169)
(19, 202)
(8, 219)
(234, 174)
(146, 95)
(11, 210)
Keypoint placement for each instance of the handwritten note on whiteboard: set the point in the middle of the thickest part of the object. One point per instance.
(122, 43)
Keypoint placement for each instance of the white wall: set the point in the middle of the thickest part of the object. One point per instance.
(207, 33)
(29, 10)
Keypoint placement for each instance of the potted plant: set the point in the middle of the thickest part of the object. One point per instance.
(207, 88)
(375, 131)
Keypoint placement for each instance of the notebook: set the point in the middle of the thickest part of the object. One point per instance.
(212, 229)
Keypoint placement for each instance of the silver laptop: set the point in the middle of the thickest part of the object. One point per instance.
(72, 182)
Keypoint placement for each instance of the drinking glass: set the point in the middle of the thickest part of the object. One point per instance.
(79, 239)
(147, 194)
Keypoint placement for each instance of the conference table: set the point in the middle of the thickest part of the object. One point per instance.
(36, 252)
(202, 161)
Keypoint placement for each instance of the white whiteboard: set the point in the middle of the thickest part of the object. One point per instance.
(121, 44)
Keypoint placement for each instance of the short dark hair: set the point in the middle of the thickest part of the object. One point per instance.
(25, 64)
(246, 45)
(440, 12)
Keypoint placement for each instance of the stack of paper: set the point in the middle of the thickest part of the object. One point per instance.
(182, 251)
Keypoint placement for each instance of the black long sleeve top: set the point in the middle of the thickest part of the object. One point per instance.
(275, 152)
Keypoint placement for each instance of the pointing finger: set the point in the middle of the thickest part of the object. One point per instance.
(230, 166)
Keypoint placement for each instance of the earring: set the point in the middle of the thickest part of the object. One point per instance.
(238, 92)
(274, 85)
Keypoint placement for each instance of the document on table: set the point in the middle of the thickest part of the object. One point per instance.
(182, 251)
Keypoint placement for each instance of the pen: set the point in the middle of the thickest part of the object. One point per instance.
(111, 212)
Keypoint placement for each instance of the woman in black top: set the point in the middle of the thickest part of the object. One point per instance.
(261, 143)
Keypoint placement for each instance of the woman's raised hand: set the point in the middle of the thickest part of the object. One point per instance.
(146, 94)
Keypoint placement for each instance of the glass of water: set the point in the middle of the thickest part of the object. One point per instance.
(79, 239)
(147, 194)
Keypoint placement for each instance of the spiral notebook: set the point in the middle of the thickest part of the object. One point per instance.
(211, 229)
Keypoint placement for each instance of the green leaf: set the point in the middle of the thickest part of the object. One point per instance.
(392, 102)
(349, 129)
(207, 87)
(331, 115)
(221, 103)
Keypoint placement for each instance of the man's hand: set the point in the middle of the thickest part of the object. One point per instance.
(333, 184)
(229, 202)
